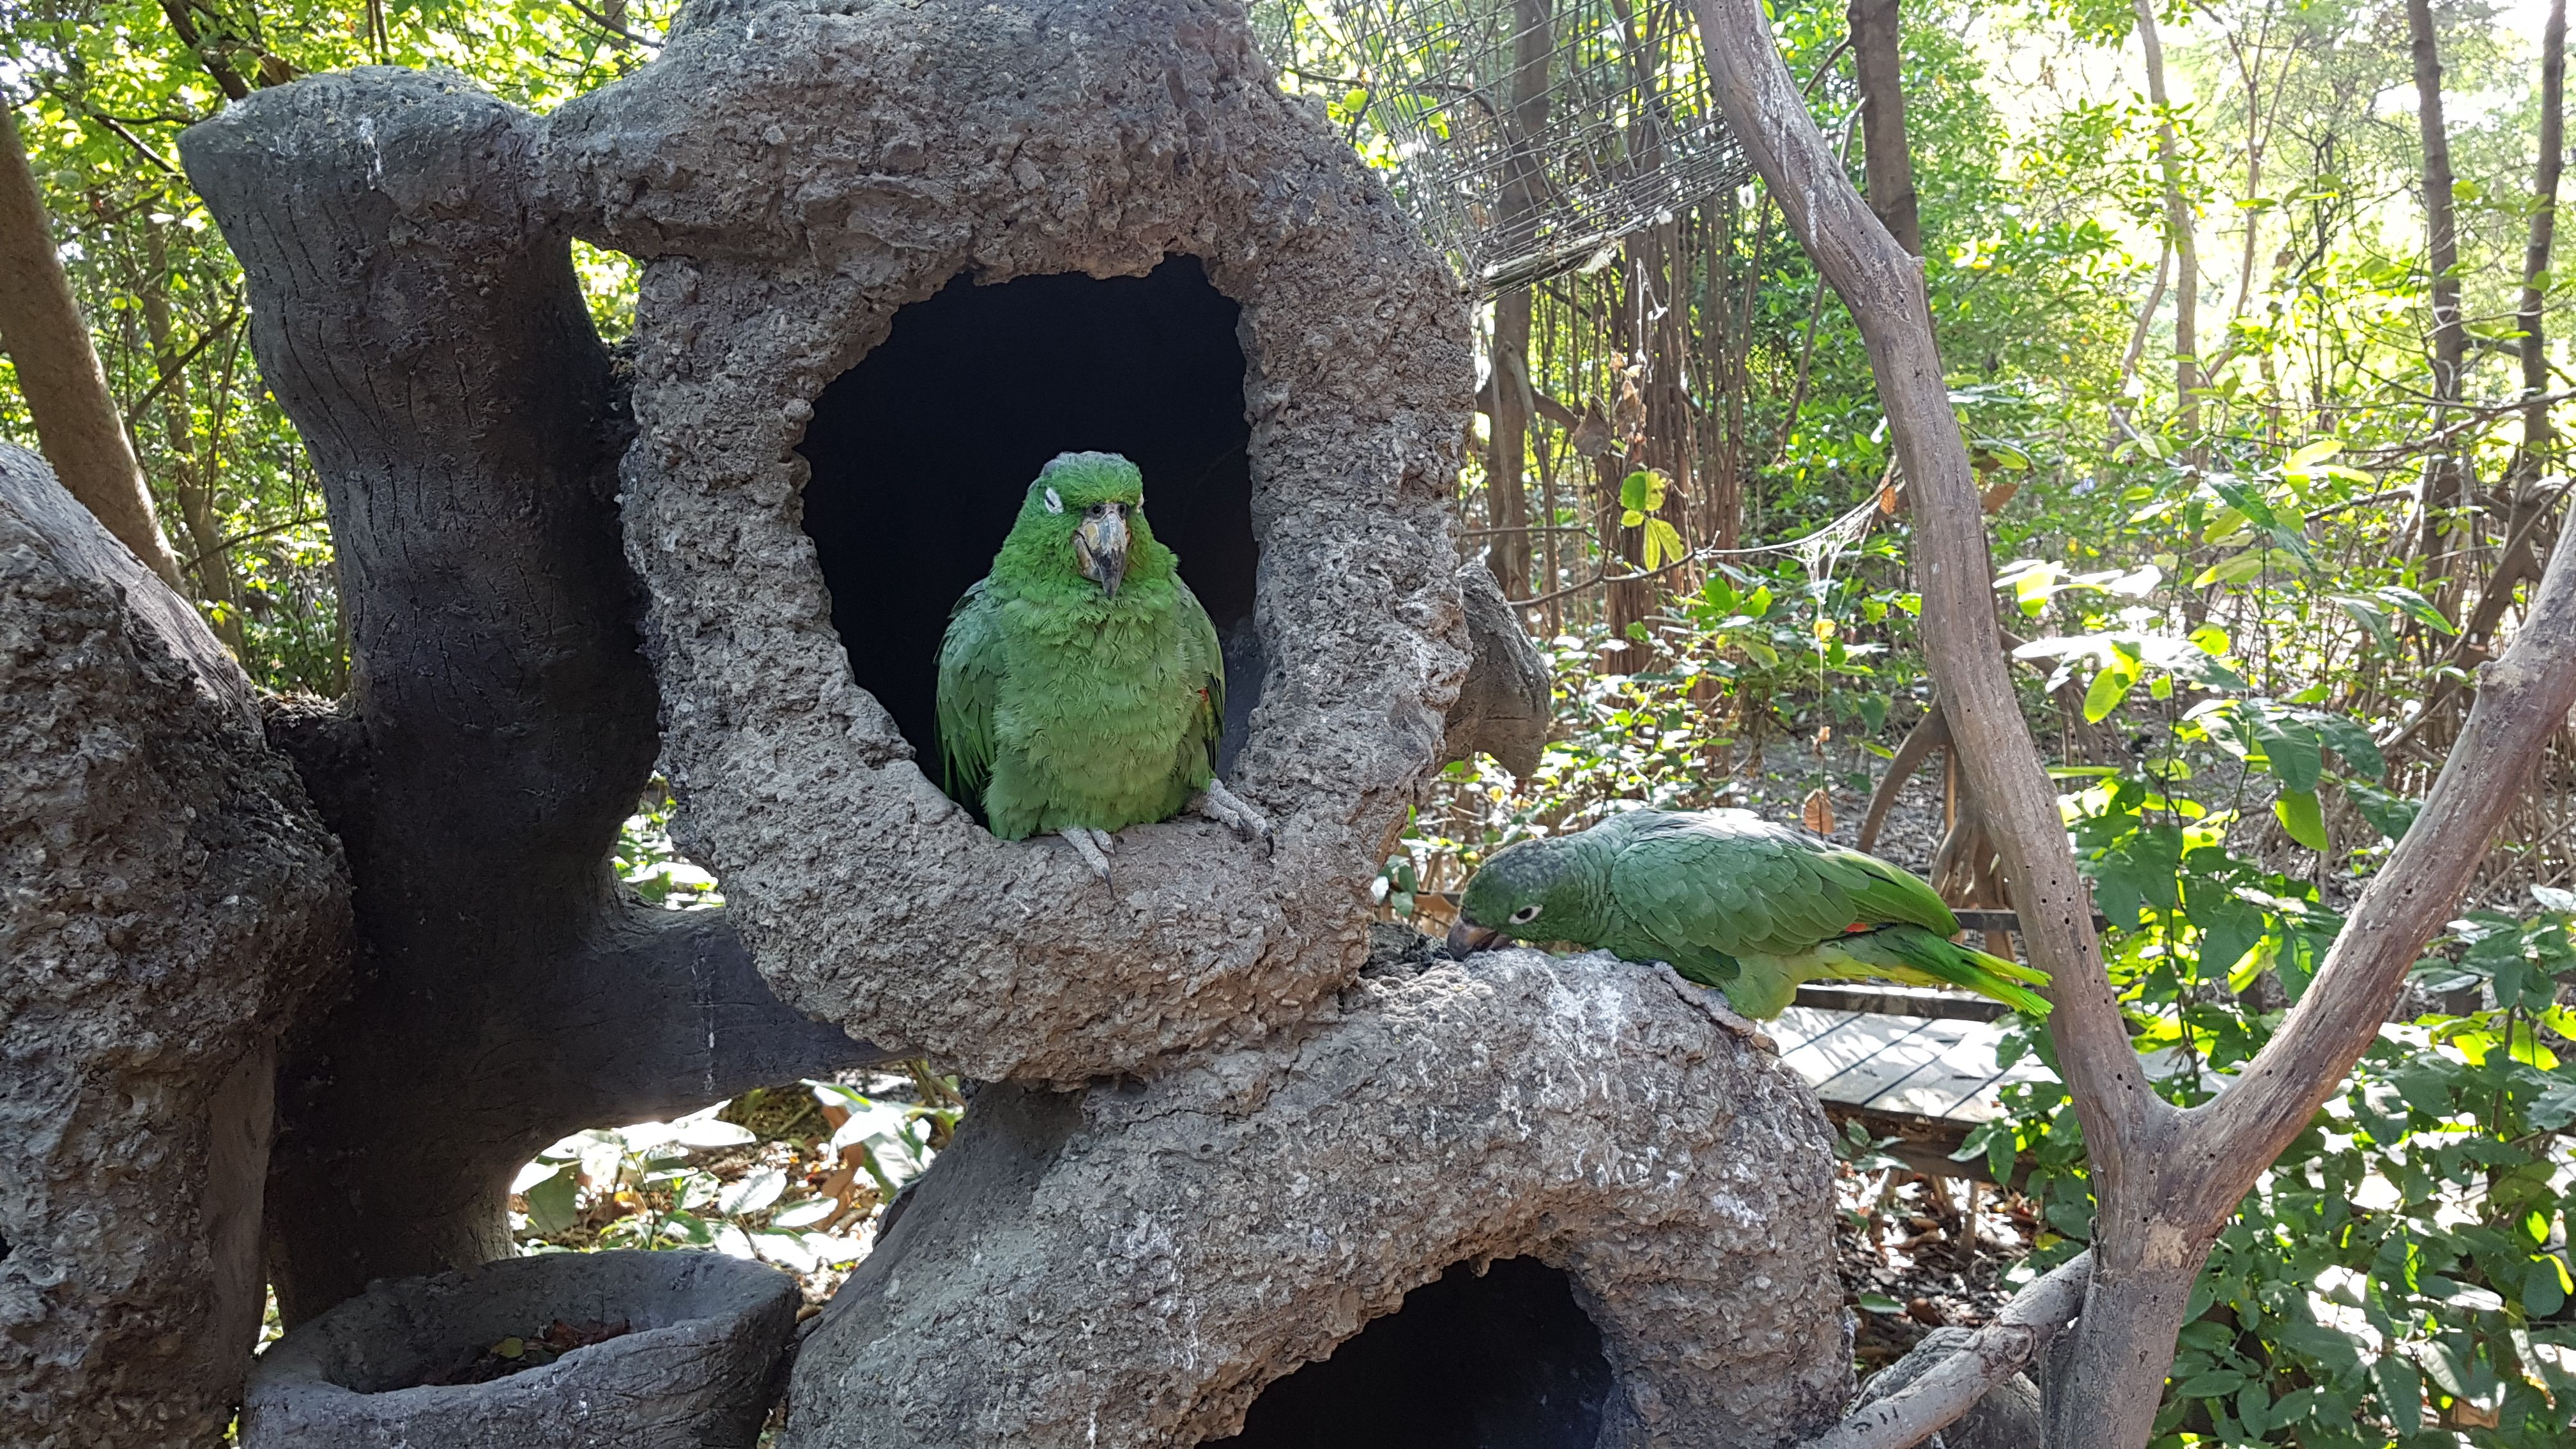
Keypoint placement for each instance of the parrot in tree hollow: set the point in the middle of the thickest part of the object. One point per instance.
(1731, 900)
(1080, 685)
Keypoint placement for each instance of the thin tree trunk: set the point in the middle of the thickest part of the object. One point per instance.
(2537, 434)
(77, 423)
(1507, 488)
(2178, 229)
(2450, 339)
(1887, 160)
(217, 583)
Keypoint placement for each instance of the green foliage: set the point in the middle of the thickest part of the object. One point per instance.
(798, 1199)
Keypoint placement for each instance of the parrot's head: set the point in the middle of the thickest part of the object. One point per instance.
(1538, 890)
(1086, 513)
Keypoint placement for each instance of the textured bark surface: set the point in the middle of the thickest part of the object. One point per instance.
(1129, 1266)
(796, 172)
(166, 899)
(58, 371)
(416, 314)
(696, 1370)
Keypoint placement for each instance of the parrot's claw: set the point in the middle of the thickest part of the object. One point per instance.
(1744, 1027)
(1093, 846)
(1713, 1001)
(1227, 808)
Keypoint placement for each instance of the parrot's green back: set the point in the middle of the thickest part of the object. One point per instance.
(1731, 900)
(1780, 905)
(1059, 705)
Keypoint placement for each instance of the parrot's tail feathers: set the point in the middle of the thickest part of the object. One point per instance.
(2009, 970)
(1992, 976)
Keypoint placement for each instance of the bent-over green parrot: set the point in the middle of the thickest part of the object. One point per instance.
(1081, 689)
(1731, 900)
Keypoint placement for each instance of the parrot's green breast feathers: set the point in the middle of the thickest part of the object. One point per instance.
(1062, 702)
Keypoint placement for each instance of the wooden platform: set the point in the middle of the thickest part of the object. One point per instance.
(1923, 1079)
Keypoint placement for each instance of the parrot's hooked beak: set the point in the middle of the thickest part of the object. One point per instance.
(1466, 938)
(1100, 547)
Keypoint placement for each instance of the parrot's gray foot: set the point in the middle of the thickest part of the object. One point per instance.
(1092, 845)
(1744, 1027)
(1227, 809)
(1713, 1001)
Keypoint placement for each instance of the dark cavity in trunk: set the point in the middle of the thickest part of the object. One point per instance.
(1505, 1361)
(922, 452)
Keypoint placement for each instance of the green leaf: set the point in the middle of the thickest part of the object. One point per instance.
(2110, 686)
(1880, 1303)
(2401, 1391)
(2291, 750)
(2298, 813)
(751, 1193)
(2234, 570)
(2554, 1108)
(1663, 543)
(2545, 1286)
(2359, 751)
(1642, 491)
(2388, 813)
(554, 1204)
(2215, 1384)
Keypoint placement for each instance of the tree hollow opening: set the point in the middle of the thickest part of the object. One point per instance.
(921, 453)
(1503, 1361)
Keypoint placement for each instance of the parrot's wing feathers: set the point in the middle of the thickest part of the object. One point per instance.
(1202, 654)
(1723, 893)
(1885, 894)
(1735, 883)
(970, 673)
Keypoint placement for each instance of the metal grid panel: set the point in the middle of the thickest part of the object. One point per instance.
(1616, 127)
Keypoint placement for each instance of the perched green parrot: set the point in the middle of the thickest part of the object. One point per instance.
(1081, 689)
(1731, 900)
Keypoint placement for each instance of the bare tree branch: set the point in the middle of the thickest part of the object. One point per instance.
(1949, 1389)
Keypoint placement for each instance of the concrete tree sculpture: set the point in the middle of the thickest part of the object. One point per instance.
(897, 255)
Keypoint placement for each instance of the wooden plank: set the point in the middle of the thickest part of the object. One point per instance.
(1799, 1025)
(1899, 1000)
(1864, 1081)
(1949, 1080)
(1848, 1045)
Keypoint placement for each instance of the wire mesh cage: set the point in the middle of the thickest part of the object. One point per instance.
(1529, 136)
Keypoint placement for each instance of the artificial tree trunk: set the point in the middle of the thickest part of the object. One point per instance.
(167, 901)
(1130, 177)
(418, 318)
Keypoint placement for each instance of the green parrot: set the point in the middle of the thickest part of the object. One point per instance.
(1081, 689)
(1731, 900)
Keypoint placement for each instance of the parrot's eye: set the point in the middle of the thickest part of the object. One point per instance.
(1524, 915)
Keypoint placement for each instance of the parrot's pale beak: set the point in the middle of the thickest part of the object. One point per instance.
(1100, 548)
(1466, 938)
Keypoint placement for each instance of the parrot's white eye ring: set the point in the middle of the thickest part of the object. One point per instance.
(1524, 915)
(1054, 501)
